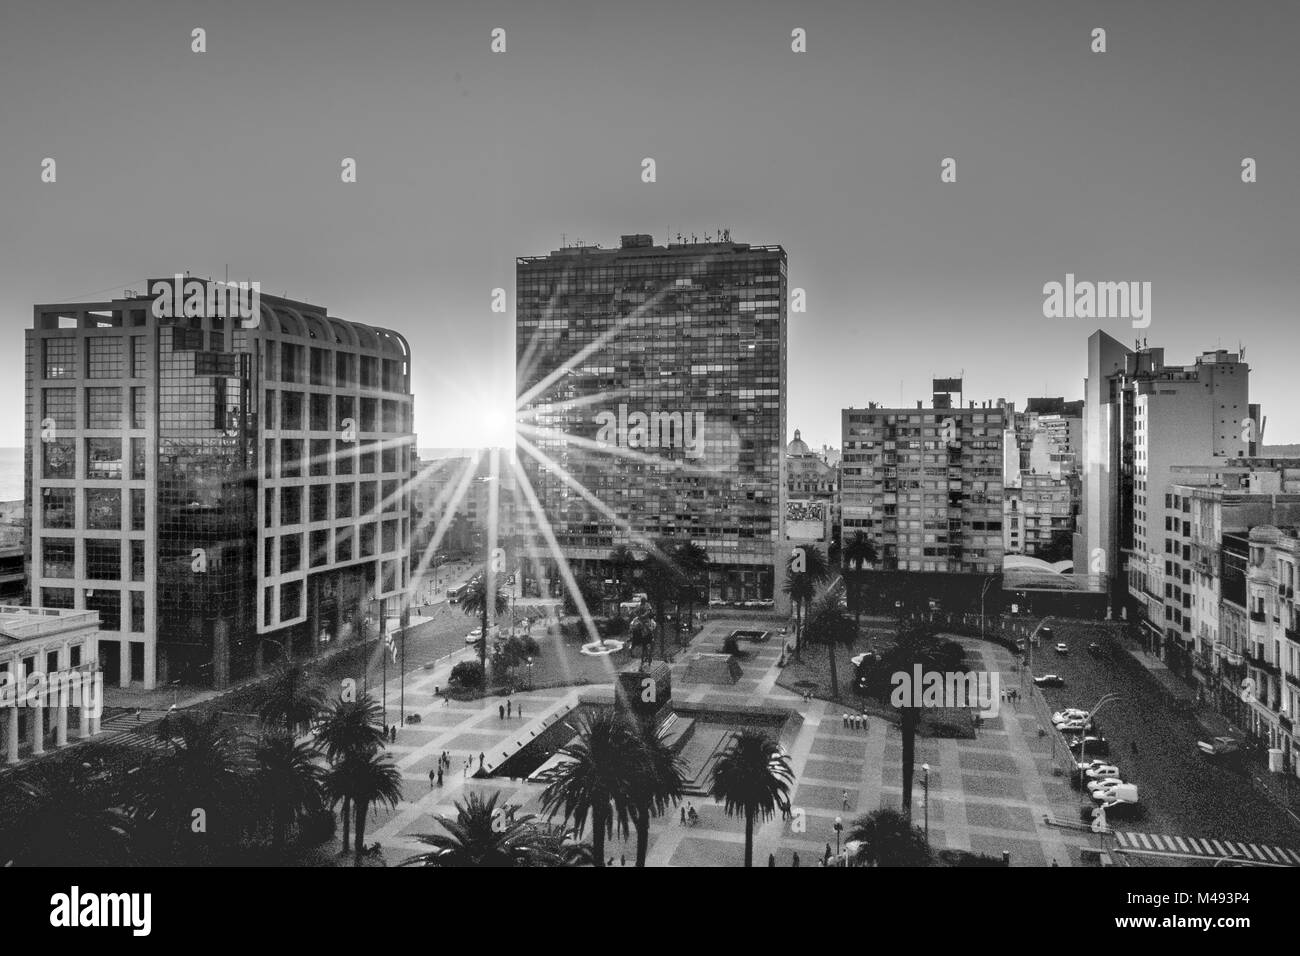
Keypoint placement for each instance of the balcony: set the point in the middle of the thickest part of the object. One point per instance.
(1265, 665)
(1259, 617)
(1293, 680)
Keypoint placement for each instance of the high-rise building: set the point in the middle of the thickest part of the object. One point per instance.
(926, 485)
(214, 482)
(1143, 418)
(652, 385)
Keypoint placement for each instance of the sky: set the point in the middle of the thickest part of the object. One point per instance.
(1115, 166)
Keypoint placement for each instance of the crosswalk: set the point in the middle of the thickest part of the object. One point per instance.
(1210, 849)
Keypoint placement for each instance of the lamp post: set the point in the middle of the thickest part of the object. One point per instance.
(839, 828)
(1083, 741)
(530, 673)
(925, 788)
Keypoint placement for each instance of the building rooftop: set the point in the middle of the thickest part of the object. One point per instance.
(22, 623)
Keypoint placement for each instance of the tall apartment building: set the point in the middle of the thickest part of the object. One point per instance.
(214, 483)
(926, 485)
(1144, 418)
(653, 378)
(1040, 513)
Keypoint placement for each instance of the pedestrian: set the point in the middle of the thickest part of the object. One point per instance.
(508, 706)
(480, 760)
(795, 860)
(683, 823)
(622, 859)
(827, 857)
(501, 711)
(519, 709)
(431, 776)
(439, 776)
(771, 859)
(845, 795)
(844, 719)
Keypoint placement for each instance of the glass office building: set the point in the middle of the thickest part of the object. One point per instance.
(221, 490)
(654, 377)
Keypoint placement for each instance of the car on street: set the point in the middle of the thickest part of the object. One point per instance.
(1050, 680)
(1095, 649)
(1062, 648)
(1090, 745)
(1044, 634)
(1101, 771)
(1073, 726)
(474, 636)
(1069, 713)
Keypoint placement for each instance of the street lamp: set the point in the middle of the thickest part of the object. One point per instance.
(530, 673)
(925, 787)
(839, 828)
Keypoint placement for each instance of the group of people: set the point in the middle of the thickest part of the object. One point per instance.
(1012, 696)
(504, 710)
(855, 721)
(444, 763)
(689, 816)
(390, 733)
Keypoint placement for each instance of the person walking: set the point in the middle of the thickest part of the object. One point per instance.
(501, 711)
(432, 775)
(683, 823)
(508, 706)
(771, 859)
(795, 860)
(480, 760)
(845, 796)
(439, 776)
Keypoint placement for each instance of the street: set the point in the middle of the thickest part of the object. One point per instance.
(1184, 794)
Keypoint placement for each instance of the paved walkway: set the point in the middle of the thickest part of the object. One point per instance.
(986, 795)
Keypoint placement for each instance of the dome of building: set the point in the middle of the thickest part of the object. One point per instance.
(797, 448)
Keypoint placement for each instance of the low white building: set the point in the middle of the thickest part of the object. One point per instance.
(49, 664)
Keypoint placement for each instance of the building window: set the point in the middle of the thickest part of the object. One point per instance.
(109, 606)
(291, 457)
(103, 559)
(60, 357)
(291, 411)
(59, 558)
(137, 509)
(319, 466)
(59, 458)
(291, 505)
(344, 452)
(137, 612)
(320, 502)
(138, 408)
(344, 370)
(137, 560)
(290, 600)
(58, 597)
(139, 363)
(104, 356)
(320, 548)
(320, 413)
(103, 458)
(138, 460)
(60, 406)
(290, 554)
(343, 500)
(343, 545)
(104, 509)
(58, 508)
(103, 407)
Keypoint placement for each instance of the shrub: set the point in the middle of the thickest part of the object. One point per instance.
(612, 627)
(524, 646)
(467, 674)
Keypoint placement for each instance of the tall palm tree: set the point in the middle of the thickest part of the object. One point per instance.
(662, 777)
(292, 701)
(476, 601)
(693, 561)
(663, 579)
(621, 560)
(800, 589)
(597, 779)
(827, 625)
(484, 834)
(349, 729)
(889, 838)
(752, 778)
(365, 779)
(289, 783)
(807, 571)
(859, 556)
(913, 646)
(202, 779)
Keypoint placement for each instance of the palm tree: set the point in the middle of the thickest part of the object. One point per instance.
(808, 568)
(693, 561)
(364, 779)
(293, 700)
(484, 834)
(289, 783)
(598, 777)
(889, 838)
(859, 556)
(63, 814)
(662, 775)
(663, 582)
(349, 729)
(828, 625)
(206, 769)
(914, 646)
(752, 778)
(621, 560)
(476, 601)
(800, 589)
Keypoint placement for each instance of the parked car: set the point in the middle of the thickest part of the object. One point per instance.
(1101, 771)
(1106, 783)
(1050, 680)
(1069, 713)
(474, 636)
(1073, 726)
(1091, 745)
(1095, 764)
(1062, 648)
(1118, 793)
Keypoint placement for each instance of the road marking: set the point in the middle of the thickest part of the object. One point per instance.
(1218, 848)
(1192, 848)
(1181, 845)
